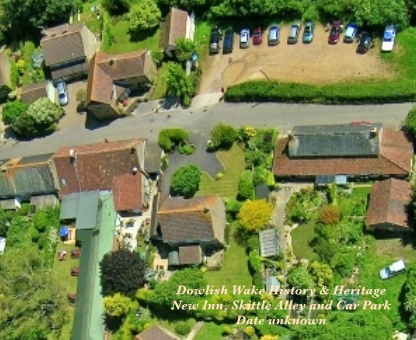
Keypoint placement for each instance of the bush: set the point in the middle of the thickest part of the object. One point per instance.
(343, 93)
(219, 175)
(186, 149)
(81, 97)
(108, 36)
(329, 215)
(183, 327)
(24, 209)
(223, 136)
(34, 234)
(234, 206)
(12, 111)
(14, 75)
(249, 331)
(410, 123)
(246, 187)
(227, 330)
(168, 137)
(116, 7)
(158, 56)
(185, 180)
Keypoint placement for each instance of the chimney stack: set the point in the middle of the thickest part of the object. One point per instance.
(373, 132)
(132, 148)
(207, 209)
(290, 134)
(72, 155)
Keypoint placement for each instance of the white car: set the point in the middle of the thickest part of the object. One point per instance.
(388, 38)
(245, 38)
(395, 269)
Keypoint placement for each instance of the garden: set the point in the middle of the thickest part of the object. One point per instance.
(30, 261)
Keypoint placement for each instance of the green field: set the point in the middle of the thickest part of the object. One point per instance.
(235, 268)
(301, 236)
(227, 187)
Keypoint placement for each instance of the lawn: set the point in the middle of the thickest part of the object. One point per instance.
(227, 187)
(235, 269)
(61, 270)
(125, 42)
(161, 85)
(90, 18)
(361, 192)
(301, 236)
(210, 331)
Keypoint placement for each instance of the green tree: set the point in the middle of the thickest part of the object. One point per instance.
(81, 97)
(166, 292)
(184, 49)
(144, 16)
(44, 112)
(254, 215)
(3, 223)
(116, 7)
(117, 305)
(185, 181)
(321, 273)
(31, 297)
(31, 14)
(249, 331)
(183, 327)
(223, 136)
(17, 231)
(12, 110)
(179, 84)
(299, 277)
(410, 122)
(409, 290)
(246, 186)
(41, 219)
(122, 272)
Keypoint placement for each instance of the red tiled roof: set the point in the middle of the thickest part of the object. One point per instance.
(106, 68)
(96, 165)
(176, 22)
(394, 159)
(128, 192)
(388, 201)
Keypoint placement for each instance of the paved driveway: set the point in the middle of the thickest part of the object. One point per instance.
(206, 161)
(72, 117)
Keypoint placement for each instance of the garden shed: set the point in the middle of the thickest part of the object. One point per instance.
(10, 204)
(272, 282)
(269, 243)
(262, 192)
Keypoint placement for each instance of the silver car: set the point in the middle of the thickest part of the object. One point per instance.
(294, 33)
(62, 93)
(245, 38)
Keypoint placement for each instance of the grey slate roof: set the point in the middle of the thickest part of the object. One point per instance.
(334, 141)
(262, 191)
(83, 207)
(152, 158)
(6, 186)
(36, 159)
(34, 180)
(271, 281)
(269, 243)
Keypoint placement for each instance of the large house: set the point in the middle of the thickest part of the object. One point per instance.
(22, 178)
(356, 150)
(112, 78)
(68, 49)
(192, 229)
(5, 87)
(118, 166)
(390, 205)
(178, 24)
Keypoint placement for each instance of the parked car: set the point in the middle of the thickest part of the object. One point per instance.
(214, 40)
(245, 38)
(365, 43)
(62, 93)
(308, 32)
(396, 268)
(257, 36)
(335, 32)
(228, 42)
(388, 38)
(294, 33)
(274, 35)
(350, 32)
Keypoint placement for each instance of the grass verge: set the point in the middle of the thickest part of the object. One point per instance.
(210, 331)
(161, 85)
(235, 269)
(227, 187)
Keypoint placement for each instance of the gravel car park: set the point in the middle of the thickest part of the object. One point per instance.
(316, 62)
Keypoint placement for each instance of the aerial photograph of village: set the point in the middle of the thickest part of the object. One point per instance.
(207, 170)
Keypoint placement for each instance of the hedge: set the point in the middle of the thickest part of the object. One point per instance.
(370, 92)
(168, 137)
(108, 36)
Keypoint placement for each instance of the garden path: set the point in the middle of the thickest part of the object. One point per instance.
(195, 330)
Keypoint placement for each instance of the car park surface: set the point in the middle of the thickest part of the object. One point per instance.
(314, 63)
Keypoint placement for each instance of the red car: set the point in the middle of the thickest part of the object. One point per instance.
(257, 36)
(335, 32)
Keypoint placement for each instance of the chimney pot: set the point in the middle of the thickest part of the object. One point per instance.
(134, 170)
